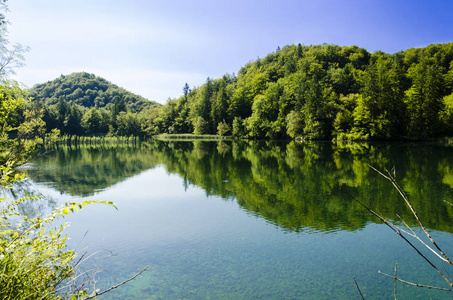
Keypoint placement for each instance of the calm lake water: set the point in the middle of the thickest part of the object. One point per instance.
(249, 220)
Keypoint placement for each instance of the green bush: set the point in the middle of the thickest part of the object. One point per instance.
(35, 262)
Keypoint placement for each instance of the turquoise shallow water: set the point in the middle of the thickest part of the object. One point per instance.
(249, 221)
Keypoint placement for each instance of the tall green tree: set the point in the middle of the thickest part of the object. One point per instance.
(92, 121)
(203, 105)
(382, 101)
(424, 99)
(73, 121)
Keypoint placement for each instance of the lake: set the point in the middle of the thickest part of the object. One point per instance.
(249, 220)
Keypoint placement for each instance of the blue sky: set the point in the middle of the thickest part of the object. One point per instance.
(152, 48)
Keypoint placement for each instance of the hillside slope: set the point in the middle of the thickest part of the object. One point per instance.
(87, 90)
(324, 92)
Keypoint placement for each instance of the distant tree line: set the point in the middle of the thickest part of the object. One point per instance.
(310, 92)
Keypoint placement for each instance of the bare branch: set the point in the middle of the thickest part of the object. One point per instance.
(379, 172)
(414, 235)
(396, 275)
(448, 202)
(417, 284)
(357, 286)
(95, 293)
(409, 204)
(398, 232)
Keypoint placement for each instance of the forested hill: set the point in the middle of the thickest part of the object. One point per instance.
(84, 104)
(87, 90)
(323, 92)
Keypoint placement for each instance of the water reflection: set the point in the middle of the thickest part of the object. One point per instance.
(296, 186)
(33, 203)
(84, 170)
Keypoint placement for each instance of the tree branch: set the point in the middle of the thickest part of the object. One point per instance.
(398, 231)
(95, 293)
(416, 284)
(396, 266)
(357, 286)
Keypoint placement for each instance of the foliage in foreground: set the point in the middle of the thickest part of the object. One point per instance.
(35, 262)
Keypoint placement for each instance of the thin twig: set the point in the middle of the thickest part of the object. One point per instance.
(414, 235)
(448, 202)
(417, 284)
(115, 286)
(398, 232)
(409, 204)
(396, 275)
(360, 292)
(408, 227)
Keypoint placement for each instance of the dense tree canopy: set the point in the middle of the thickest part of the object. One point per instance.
(323, 92)
(310, 92)
(84, 104)
(86, 90)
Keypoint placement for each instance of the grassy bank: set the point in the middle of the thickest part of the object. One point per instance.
(189, 136)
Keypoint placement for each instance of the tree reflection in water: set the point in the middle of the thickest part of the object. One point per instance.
(296, 186)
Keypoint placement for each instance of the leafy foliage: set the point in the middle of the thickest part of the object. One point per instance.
(87, 90)
(84, 104)
(34, 259)
(22, 131)
(310, 92)
(323, 92)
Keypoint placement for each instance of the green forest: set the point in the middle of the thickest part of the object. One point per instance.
(320, 92)
(324, 92)
(85, 104)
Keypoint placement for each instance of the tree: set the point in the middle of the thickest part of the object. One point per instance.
(10, 102)
(73, 121)
(203, 105)
(344, 121)
(424, 99)
(128, 124)
(223, 129)
(299, 51)
(294, 124)
(315, 121)
(21, 130)
(91, 121)
(62, 111)
(34, 259)
(186, 90)
(238, 127)
(201, 126)
(383, 100)
(290, 66)
(257, 124)
(11, 56)
(220, 105)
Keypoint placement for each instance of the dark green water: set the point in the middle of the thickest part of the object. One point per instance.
(251, 220)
